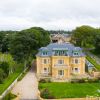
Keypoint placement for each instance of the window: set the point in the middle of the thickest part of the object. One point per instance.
(46, 70)
(61, 72)
(45, 53)
(76, 70)
(76, 61)
(45, 61)
(75, 53)
(60, 53)
(60, 62)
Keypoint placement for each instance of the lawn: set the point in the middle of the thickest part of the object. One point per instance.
(19, 68)
(93, 62)
(71, 90)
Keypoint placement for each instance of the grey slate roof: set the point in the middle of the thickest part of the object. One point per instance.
(70, 48)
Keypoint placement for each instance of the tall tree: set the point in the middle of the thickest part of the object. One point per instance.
(26, 43)
(97, 43)
(84, 36)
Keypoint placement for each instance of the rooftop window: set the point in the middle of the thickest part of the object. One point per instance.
(45, 53)
(75, 53)
(60, 53)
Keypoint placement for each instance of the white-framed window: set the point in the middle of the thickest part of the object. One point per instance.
(45, 61)
(75, 53)
(76, 70)
(75, 61)
(60, 72)
(46, 70)
(60, 62)
(44, 53)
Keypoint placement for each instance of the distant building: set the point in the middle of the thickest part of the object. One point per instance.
(60, 60)
(60, 38)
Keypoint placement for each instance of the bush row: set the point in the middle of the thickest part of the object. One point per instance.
(84, 80)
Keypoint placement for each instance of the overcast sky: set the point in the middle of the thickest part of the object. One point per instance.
(49, 14)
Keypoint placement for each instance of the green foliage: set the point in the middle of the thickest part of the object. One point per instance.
(84, 36)
(70, 90)
(7, 58)
(45, 93)
(9, 96)
(7, 82)
(27, 42)
(2, 75)
(5, 67)
(5, 38)
(97, 43)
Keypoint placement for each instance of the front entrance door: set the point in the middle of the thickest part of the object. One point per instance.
(60, 73)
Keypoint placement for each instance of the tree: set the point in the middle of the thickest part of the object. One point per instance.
(97, 43)
(84, 36)
(2, 75)
(5, 38)
(26, 43)
(5, 67)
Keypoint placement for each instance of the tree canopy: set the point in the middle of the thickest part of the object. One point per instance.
(84, 36)
(26, 43)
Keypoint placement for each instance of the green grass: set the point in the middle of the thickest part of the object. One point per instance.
(10, 79)
(19, 68)
(9, 96)
(71, 90)
(97, 66)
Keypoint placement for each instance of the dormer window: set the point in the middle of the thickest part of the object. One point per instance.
(60, 52)
(75, 53)
(45, 53)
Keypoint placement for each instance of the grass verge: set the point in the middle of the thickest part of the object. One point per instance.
(7, 82)
(97, 66)
(9, 96)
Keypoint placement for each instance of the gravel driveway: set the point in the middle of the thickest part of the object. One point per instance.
(27, 88)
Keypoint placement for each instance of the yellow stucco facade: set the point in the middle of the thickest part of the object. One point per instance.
(60, 67)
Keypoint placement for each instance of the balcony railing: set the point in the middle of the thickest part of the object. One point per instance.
(60, 66)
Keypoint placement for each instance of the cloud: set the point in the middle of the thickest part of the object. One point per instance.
(49, 14)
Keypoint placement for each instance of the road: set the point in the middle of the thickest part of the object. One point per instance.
(27, 88)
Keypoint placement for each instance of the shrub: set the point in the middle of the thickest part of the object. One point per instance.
(2, 75)
(42, 81)
(45, 80)
(5, 67)
(46, 94)
(95, 80)
(9, 96)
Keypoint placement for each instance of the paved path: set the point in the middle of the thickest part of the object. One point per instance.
(27, 88)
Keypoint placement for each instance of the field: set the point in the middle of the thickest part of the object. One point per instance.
(71, 90)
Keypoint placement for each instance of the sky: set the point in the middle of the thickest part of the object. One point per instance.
(49, 14)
